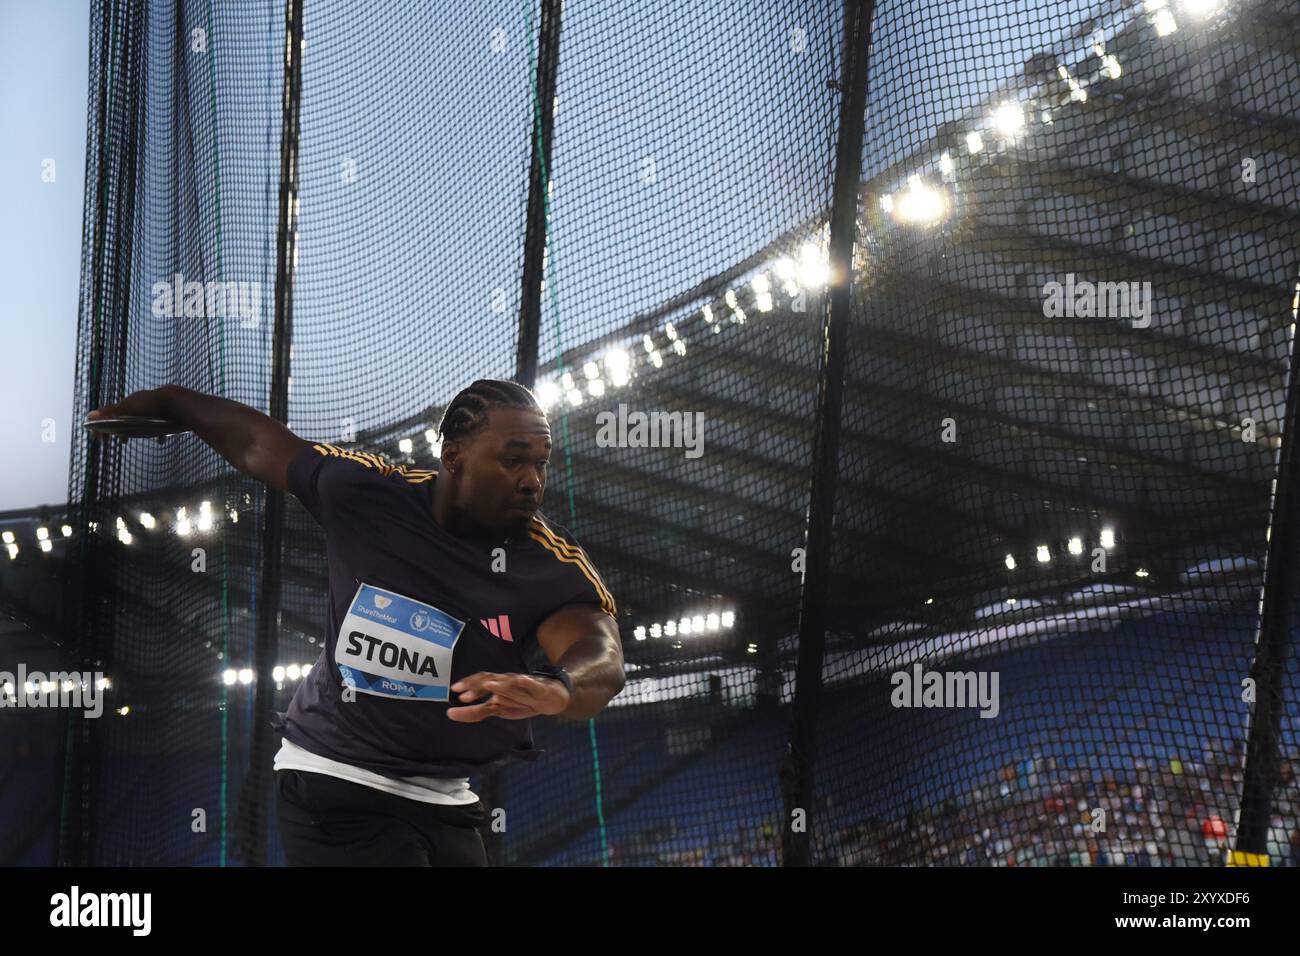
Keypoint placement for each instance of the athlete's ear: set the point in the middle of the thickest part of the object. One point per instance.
(450, 457)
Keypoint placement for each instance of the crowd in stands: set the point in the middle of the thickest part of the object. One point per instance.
(1039, 812)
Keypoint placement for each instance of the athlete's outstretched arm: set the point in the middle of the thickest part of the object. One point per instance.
(256, 444)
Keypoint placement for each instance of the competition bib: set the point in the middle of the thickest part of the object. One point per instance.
(393, 646)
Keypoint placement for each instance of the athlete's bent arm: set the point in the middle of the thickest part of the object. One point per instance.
(256, 444)
(583, 640)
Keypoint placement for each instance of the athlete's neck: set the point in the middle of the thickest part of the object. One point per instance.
(455, 521)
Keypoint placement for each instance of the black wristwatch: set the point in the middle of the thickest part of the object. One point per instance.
(554, 670)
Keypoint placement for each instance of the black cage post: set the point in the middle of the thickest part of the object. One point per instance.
(89, 635)
(251, 822)
(1261, 770)
(797, 771)
(539, 175)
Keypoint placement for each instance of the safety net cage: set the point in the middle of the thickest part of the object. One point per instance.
(935, 355)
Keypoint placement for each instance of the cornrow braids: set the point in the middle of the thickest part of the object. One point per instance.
(468, 411)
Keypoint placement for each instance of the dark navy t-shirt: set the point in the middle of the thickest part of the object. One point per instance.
(395, 579)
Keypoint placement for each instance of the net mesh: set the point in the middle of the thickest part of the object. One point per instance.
(1065, 498)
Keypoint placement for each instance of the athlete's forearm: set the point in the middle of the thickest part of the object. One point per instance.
(256, 444)
(595, 665)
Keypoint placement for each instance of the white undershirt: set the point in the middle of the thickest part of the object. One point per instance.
(452, 791)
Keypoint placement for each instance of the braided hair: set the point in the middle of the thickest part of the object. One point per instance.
(467, 414)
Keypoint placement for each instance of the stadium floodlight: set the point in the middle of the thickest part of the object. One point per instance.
(752, 648)
(566, 381)
(887, 203)
(618, 364)
(1110, 66)
(574, 396)
(656, 630)
(147, 521)
(1043, 553)
(679, 345)
(974, 142)
(1201, 8)
(1075, 545)
(1142, 573)
(277, 673)
(121, 523)
(47, 545)
(711, 622)
(656, 359)
(124, 536)
(920, 203)
(684, 626)
(1010, 562)
(123, 711)
(1164, 22)
(814, 270)
(8, 537)
(103, 683)
(406, 446)
(293, 671)
(670, 330)
(728, 618)
(596, 389)
(246, 675)
(707, 313)
(228, 677)
(67, 530)
(697, 622)
(42, 534)
(946, 165)
(1077, 93)
(670, 628)
(648, 344)
(638, 632)
(591, 370)
(548, 393)
(1108, 537)
(1009, 120)
(306, 669)
(13, 551)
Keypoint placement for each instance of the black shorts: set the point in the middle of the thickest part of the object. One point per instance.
(326, 821)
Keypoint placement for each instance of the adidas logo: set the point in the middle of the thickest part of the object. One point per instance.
(499, 626)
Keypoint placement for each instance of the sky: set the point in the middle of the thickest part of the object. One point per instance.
(43, 70)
